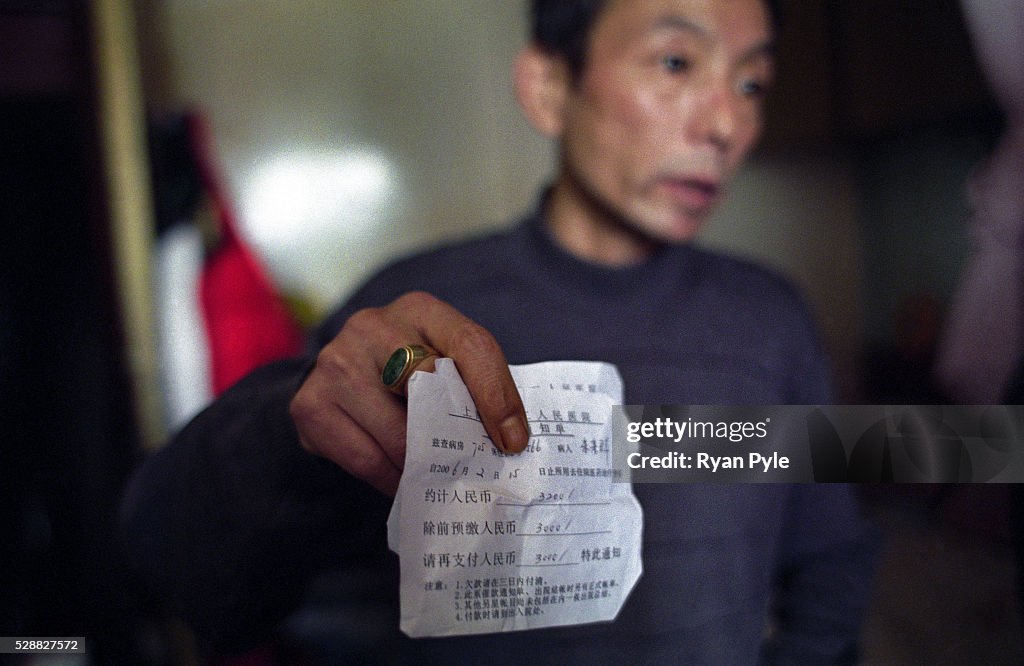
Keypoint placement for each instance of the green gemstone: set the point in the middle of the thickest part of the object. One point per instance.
(393, 368)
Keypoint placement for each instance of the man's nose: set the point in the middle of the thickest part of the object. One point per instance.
(717, 115)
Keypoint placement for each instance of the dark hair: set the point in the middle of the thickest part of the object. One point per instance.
(562, 27)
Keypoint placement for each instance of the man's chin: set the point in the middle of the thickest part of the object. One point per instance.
(670, 224)
(677, 232)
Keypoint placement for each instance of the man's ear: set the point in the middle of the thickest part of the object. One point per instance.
(542, 86)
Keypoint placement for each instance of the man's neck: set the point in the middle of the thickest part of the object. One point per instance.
(590, 231)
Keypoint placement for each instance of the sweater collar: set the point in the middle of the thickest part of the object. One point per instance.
(668, 269)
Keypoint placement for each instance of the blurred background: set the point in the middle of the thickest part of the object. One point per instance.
(329, 137)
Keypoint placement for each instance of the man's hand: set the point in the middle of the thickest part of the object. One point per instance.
(344, 412)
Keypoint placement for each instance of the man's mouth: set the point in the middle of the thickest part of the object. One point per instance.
(694, 193)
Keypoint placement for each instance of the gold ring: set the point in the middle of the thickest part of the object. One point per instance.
(401, 364)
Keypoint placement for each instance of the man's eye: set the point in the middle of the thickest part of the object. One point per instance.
(752, 88)
(675, 63)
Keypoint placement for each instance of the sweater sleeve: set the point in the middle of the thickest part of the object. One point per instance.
(230, 521)
(825, 573)
(828, 547)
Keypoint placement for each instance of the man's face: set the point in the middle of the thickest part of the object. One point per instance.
(666, 108)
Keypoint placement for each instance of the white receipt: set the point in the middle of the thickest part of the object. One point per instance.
(491, 542)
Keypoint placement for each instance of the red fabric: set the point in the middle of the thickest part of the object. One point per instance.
(247, 323)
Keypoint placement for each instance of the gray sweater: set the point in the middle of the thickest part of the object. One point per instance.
(232, 520)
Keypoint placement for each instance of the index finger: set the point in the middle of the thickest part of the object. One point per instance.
(483, 368)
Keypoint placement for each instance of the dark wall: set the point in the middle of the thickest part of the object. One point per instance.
(67, 424)
(858, 72)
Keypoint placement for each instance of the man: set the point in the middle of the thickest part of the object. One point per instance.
(654, 104)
